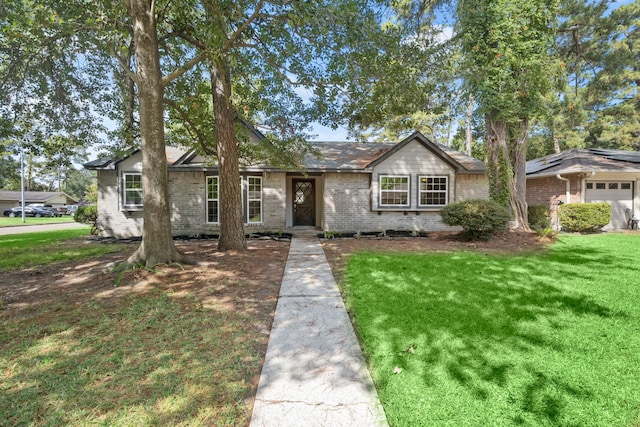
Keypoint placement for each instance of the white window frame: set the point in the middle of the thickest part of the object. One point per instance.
(249, 178)
(211, 199)
(422, 191)
(407, 192)
(126, 191)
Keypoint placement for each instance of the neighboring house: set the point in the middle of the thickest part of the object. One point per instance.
(350, 187)
(583, 176)
(11, 199)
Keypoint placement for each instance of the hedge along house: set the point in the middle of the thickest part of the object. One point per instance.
(583, 176)
(348, 187)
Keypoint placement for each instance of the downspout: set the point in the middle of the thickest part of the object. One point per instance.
(567, 186)
(567, 198)
(583, 190)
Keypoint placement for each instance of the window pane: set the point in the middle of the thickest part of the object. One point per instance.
(433, 190)
(133, 194)
(625, 186)
(212, 211)
(254, 199)
(254, 211)
(589, 185)
(613, 186)
(600, 186)
(212, 199)
(394, 190)
(134, 197)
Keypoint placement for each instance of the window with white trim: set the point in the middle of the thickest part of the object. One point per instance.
(433, 191)
(394, 190)
(254, 199)
(213, 200)
(132, 195)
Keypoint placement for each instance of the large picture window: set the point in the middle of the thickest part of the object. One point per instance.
(394, 191)
(433, 191)
(213, 200)
(254, 199)
(132, 195)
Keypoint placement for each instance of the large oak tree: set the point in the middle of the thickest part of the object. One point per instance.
(509, 68)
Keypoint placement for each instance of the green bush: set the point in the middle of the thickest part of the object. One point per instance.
(539, 217)
(480, 219)
(87, 215)
(540, 221)
(584, 217)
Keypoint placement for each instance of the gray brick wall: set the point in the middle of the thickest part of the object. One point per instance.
(187, 200)
(347, 201)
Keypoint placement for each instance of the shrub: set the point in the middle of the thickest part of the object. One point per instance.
(480, 219)
(87, 215)
(539, 217)
(584, 216)
(540, 221)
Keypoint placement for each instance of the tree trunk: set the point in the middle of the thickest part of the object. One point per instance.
(506, 167)
(518, 196)
(232, 235)
(157, 243)
(499, 168)
(468, 135)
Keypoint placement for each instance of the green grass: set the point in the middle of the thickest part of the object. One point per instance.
(32, 249)
(151, 360)
(466, 338)
(10, 222)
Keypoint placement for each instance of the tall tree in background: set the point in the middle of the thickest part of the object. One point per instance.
(602, 47)
(508, 68)
(48, 79)
(426, 93)
(599, 105)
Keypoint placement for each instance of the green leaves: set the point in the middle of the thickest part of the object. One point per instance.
(507, 54)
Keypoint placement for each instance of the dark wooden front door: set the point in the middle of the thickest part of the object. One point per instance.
(303, 202)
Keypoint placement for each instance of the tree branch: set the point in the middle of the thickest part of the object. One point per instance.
(238, 32)
(123, 64)
(183, 69)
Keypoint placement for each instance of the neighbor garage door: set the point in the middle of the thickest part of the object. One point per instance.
(618, 194)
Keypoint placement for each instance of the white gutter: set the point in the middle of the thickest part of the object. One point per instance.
(567, 187)
(583, 190)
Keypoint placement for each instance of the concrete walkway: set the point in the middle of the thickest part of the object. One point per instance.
(314, 373)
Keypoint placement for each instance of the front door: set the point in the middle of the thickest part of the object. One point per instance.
(303, 202)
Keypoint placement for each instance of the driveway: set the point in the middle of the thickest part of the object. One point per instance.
(18, 229)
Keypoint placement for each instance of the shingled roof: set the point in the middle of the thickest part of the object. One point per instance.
(584, 160)
(173, 154)
(335, 156)
(351, 156)
(35, 196)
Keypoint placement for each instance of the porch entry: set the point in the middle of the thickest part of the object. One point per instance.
(304, 202)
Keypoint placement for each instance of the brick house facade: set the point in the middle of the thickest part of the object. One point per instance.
(349, 188)
(583, 176)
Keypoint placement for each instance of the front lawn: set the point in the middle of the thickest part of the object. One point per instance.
(38, 248)
(5, 221)
(176, 345)
(465, 338)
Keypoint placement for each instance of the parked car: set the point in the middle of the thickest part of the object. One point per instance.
(54, 211)
(28, 211)
(71, 209)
